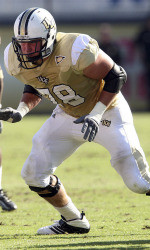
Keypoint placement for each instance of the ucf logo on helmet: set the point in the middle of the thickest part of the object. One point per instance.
(46, 23)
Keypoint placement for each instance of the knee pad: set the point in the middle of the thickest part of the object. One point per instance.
(134, 171)
(51, 189)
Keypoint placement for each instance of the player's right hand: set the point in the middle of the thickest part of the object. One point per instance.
(10, 115)
(90, 127)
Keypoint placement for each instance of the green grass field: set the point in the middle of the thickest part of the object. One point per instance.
(119, 218)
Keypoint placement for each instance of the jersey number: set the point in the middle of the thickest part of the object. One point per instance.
(64, 93)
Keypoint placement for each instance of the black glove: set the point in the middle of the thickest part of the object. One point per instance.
(10, 115)
(90, 127)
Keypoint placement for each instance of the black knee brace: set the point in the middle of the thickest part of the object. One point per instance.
(53, 190)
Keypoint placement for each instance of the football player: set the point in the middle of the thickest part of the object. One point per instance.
(5, 202)
(73, 72)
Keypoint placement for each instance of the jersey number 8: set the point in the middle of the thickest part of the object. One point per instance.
(65, 93)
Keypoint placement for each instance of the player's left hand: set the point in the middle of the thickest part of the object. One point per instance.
(90, 127)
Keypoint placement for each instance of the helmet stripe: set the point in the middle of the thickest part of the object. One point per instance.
(23, 25)
(27, 21)
(19, 26)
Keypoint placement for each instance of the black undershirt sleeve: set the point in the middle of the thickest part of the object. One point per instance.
(30, 89)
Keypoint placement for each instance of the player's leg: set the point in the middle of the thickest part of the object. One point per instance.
(5, 202)
(52, 144)
(121, 140)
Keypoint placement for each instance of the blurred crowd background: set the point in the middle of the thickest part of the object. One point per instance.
(121, 27)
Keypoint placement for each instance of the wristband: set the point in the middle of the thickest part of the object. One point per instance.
(97, 112)
(23, 108)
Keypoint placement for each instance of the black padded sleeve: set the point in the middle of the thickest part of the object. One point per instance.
(115, 79)
(30, 89)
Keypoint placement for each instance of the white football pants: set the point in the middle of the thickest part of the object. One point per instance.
(59, 137)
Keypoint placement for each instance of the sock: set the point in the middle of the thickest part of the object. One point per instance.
(0, 177)
(69, 211)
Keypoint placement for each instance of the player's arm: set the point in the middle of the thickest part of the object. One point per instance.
(114, 77)
(31, 97)
(29, 100)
